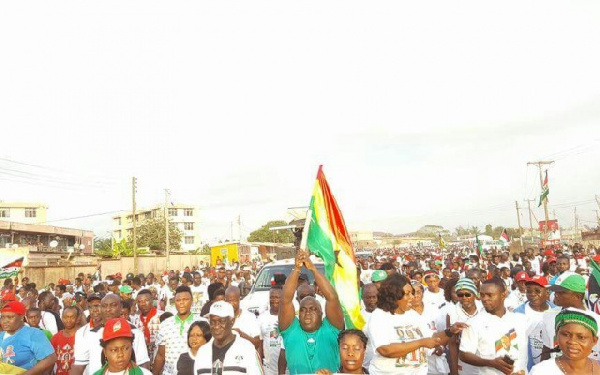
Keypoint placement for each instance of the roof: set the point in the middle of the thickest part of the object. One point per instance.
(22, 205)
(46, 229)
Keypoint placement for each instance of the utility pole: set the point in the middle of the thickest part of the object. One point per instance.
(597, 217)
(530, 222)
(576, 224)
(240, 227)
(134, 221)
(519, 221)
(167, 244)
(545, 202)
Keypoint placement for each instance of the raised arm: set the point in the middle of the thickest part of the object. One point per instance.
(286, 307)
(333, 308)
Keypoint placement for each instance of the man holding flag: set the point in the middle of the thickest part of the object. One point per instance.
(310, 340)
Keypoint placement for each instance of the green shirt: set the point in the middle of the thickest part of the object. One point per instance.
(308, 352)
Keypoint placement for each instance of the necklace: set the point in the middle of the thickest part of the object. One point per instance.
(467, 314)
(559, 361)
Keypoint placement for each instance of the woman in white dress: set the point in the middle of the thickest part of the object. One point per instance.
(576, 331)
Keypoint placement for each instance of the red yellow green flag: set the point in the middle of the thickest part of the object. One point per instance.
(327, 237)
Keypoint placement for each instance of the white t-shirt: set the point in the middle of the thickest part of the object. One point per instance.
(89, 352)
(271, 340)
(247, 323)
(548, 367)
(435, 299)
(368, 350)
(515, 299)
(456, 314)
(437, 364)
(48, 322)
(240, 358)
(385, 328)
(199, 298)
(534, 333)
(489, 336)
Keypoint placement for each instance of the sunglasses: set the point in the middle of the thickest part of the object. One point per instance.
(464, 295)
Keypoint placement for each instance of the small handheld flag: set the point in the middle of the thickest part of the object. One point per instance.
(545, 190)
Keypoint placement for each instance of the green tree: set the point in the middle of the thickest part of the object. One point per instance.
(103, 246)
(489, 231)
(150, 233)
(264, 234)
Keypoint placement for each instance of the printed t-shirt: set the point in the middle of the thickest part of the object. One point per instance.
(307, 352)
(173, 335)
(271, 340)
(385, 328)
(25, 348)
(64, 347)
(239, 358)
(489, 336)
(534, 333)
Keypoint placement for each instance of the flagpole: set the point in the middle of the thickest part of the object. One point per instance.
(305, 230)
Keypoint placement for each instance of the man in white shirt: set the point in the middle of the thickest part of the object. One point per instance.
(199, 294)
(226, 352)
(269, 334)
(172, 336)
(245, 323)
(88, 352)
(496, 340)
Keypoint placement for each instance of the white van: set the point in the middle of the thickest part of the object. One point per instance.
(257, 300)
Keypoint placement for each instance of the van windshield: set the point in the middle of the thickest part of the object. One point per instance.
(263, 281)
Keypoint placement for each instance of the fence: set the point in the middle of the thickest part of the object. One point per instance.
(45, 274)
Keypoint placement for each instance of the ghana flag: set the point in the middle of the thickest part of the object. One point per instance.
(327, 237)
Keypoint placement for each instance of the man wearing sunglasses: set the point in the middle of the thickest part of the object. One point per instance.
(462, 312)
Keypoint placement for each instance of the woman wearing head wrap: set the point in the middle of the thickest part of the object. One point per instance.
(576, 332)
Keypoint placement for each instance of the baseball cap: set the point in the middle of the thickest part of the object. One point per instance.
(14, 307)
(222, 309)
(569, 281)
(522, 276)
(125, 289)
(549, 252)
(118, 275)
(378, 276)
(115, 328)
(539, 280)
(550, 260)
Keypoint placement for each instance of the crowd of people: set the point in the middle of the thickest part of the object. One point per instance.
(427, 311)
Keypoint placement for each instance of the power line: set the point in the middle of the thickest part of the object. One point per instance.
(43, 178)
(82, 217)
(54, 169)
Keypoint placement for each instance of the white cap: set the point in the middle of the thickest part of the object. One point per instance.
(222, 309)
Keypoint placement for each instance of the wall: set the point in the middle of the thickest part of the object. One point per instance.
(156, 264)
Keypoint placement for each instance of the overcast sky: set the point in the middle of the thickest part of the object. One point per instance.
(421, 112)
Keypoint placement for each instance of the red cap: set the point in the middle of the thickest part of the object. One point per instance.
(14, 307)
(549, 253)
(522, 276)
(539, 280)
(550, 260)
(118, 275)
(115, 328)
(430, 273)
